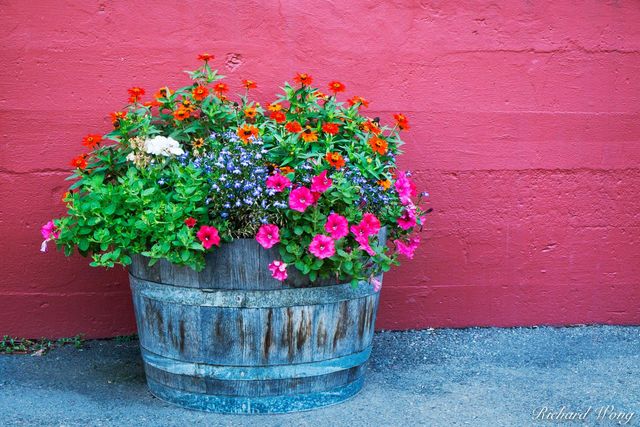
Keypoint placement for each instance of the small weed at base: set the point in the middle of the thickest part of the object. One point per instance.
(12, 345)
(125, 338)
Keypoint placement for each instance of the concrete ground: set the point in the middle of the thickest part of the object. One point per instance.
(476, 377)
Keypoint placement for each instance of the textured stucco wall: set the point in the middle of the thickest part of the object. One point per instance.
(525, 130)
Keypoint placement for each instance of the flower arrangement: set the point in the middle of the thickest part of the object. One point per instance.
(190, 169)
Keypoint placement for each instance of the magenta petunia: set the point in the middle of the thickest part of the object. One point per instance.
(300, 199)
(321, 183)
(407, 249)
(278, 182)
(407, 219)
(371, 223)
(208, 235)
(322, 246)
(405, 188)
(337, 226)
(49, 232)
(268, 235)
(278, 270)
(360, 231)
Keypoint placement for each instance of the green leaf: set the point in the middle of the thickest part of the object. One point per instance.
(83, 244)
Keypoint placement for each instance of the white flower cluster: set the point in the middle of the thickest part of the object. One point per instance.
(163, 146)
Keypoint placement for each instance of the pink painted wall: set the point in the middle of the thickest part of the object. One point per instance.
(525, 129)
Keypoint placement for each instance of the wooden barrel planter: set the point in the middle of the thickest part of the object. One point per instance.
(232, 339)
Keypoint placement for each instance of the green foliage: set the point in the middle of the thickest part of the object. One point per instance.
(193, 154)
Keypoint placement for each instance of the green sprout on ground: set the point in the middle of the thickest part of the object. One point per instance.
(14, 345)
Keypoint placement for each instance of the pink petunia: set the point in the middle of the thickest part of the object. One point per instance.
(407, 249)
(49, 232)
(321, 183)
(278, 270)
(300, 199)
(268, 235)
(278, 182)
(377, 284)
(407, 219)
(337, 226)
(405, 188)
(322, 246)
(371, 223)
(208, 235)
(365, 245)
(361, 234)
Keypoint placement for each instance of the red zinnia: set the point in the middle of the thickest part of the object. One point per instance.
(278, 116)
(330, 128)
(205, 57)
(200, 93)
(190, 222)
(135, 93)
(336, 86)
(401, 121)
(249, 84)
(221, 88)
(293, 127)
(80, 161)
(117, 115)
(303, 78)
(91, 140)
(358, 100)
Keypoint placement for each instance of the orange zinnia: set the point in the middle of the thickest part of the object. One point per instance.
(221, 88)
(274, 107)
(308, 135)
(163, 92)
(384, 183)
(152, 104)
(278, 116)
(181, 113)
(79, 162)
(401, 121)
(197, 143)
(336, 86)
(370, 126)
(205, 57)
(135, 93)
(250, 112)
(91, 140)
(249, 84)
(378, 145)
(335, 160)
(303, 78)
(247, 131)
(330, 128)
(358, 100)
(200, 93)
(117, 115)
(188, 105)
(293, 127)
(285, 169)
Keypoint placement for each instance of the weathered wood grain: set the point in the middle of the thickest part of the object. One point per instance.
(233, 334)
